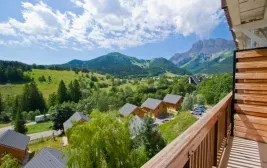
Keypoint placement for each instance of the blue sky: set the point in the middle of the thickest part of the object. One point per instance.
(57, 31)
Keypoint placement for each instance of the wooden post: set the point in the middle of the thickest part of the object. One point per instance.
(215, 144)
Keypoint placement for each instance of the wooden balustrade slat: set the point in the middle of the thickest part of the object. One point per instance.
(251, 75)
(251, 108)
(251, 54)
(250, 119)
(254, 64)
(251, 86)
(251, 125)
(251, 97)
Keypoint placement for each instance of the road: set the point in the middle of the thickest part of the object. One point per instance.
(11, 127)
(45, 134)
(34, 136)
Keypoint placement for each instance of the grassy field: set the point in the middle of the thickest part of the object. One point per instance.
(171, 129)
(5, 125)
(40, 127)
(49, 87)
(50, 143)
(45, 87)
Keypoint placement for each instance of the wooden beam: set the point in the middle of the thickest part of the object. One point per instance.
(233, 7)
(250, 25)
(251, 76)
(263, 32)
(265, 13)
(254, 37)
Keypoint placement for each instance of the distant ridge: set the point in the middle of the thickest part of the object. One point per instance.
(121, 65)
(207, 56)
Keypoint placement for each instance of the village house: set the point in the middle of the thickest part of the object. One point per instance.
(173, 102)
(195, 80)
(154, 107)
(47, 158)
(14, 143)
(77, 117)
(129, 109)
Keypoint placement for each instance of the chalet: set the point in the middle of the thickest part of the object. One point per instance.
(173, 102)
(194, 80)
(76, 117)
(129, 109)
(47, 158)
(14, 143)
(154, 107)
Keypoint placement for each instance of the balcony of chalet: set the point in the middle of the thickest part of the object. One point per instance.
(234, 133)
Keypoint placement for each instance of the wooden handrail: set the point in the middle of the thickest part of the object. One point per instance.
(181, 152)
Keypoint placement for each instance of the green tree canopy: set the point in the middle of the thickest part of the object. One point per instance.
(103, 142)
(216, 88)
(149, 137)
(61, 113)
(32, 98)
(52, 100)
(188, 102)
(75, 91)
(62, 94)
(8, 161)
(1, 104)
(19, 124)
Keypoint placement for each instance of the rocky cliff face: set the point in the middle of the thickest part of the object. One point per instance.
(210, 48)
(207, 56)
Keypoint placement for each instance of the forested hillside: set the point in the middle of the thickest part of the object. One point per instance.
(12, 72)
(121, 65)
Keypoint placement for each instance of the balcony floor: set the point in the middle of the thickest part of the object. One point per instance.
(243, 153)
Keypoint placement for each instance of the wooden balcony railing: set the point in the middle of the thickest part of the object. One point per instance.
(200, 146)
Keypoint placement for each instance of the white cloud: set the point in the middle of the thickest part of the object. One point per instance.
(116, 24)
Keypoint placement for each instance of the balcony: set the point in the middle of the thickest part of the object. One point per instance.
(208, 143)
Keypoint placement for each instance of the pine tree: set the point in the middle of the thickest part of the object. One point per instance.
(32, 98)
(62, 94)
(76, 92)
(19, 124)
(15, 107)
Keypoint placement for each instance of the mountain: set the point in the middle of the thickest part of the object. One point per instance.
(207, 56)
(121, 65)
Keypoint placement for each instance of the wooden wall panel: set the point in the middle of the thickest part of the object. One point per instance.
(250, 103)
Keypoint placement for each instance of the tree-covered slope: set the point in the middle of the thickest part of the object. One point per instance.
(121, 65)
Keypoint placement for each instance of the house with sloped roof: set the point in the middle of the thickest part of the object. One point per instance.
(194, 80)
(173, 102)
(14, 143)
(76, 117)
(129, 109)
(154, 107)
(47, 158)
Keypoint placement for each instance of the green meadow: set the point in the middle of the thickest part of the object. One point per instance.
(45, 87)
